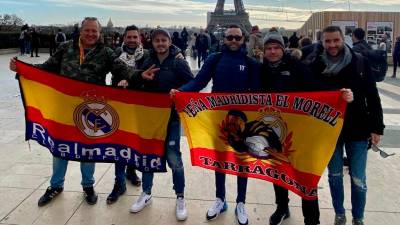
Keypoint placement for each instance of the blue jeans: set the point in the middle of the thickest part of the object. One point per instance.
(356, 152)
(120, 173)
(220, 187)
(60, 168)
(174, 160)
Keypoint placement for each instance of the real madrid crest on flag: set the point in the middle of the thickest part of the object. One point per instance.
(86, 122)
(94, 117)
(259, 139)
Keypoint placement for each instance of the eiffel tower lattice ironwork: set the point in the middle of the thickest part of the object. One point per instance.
(223, 18)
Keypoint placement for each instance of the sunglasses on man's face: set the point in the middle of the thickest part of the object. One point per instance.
(381, 152)
(231, 37)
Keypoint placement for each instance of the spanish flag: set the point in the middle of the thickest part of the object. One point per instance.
(94, 123)
(287, 139)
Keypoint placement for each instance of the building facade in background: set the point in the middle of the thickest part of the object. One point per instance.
(375, 24)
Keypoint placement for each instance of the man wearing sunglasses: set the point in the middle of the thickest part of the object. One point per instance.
(231, 71)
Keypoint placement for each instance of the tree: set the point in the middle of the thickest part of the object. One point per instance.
(10, 20)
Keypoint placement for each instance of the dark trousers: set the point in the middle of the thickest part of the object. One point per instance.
(35, 49)
(202, 56)
(396, 63)
(22, 46)
(52, 49)
(220, 187)
(310, 207)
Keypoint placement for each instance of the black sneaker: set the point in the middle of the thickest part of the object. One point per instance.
(117, 191)
(91, 196)
(133, 177)
(49, 195)
(278, 216)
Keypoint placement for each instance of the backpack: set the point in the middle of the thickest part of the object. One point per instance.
(377, 59)
(60, 38)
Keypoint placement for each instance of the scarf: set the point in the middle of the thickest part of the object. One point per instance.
(333, 68)
(129, 55)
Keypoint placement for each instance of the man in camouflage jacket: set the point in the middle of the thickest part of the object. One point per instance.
(87, 60)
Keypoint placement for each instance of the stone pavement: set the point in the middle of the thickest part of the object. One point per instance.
(25, 172)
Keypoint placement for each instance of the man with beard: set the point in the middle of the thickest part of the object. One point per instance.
(339, 66)
(232, 71)
(163, 73)
(132, 54)
(281, 72)
(85, 59)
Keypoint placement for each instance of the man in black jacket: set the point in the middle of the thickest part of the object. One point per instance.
(281, 72)
(133, 55)
(359, 43)
(338, 66)
(163, 73)
(396, 56)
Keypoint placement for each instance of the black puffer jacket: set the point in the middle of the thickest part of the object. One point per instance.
(290, 75)
(173, 72)
(364, 115)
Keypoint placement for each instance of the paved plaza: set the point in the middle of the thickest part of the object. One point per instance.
(25, 169)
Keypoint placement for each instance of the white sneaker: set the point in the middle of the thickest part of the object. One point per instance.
(143, 200)
(218, 208)
(181, 212)
(241, 215)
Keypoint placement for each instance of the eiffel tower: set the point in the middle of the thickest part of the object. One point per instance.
(224, 18)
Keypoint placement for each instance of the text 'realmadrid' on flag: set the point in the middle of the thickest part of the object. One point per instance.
(287, 139)
(94, 123)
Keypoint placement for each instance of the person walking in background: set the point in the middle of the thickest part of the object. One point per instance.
(202, 47)
(256, 46)
(61, 38)
(27, 40)
(35, 42)
(185, 38)
(294, 41)
(214, 44)
(176, 40)
(192, 45)
(396, 56)
(52, 42)
(22, 41)
(75, 33)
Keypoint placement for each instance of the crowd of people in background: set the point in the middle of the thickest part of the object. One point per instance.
(198, 45)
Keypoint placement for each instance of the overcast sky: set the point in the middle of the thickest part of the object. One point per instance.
(265, 13)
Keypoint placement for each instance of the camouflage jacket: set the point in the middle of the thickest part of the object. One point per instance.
(97, 63)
